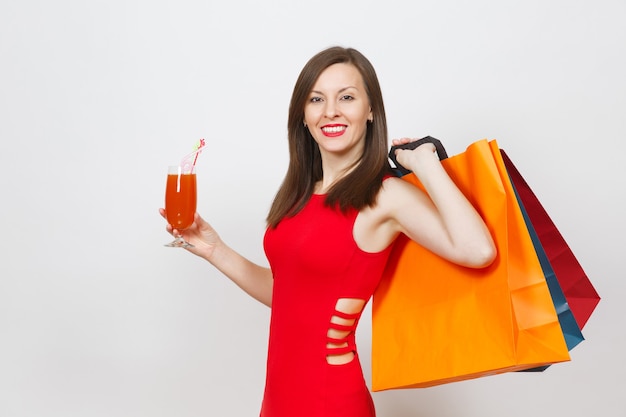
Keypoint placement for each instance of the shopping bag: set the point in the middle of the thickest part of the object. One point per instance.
(579, 292)
(435, 322)
(569, 326)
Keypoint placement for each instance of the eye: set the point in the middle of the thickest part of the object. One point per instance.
(315, 99)
(347, 97)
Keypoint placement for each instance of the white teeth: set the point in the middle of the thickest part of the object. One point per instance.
(333, 129)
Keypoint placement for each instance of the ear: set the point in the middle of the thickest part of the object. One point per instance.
(370, 116)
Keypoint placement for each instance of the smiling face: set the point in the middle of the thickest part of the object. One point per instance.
(337, 112)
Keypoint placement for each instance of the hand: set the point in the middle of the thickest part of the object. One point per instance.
(200, 234)
(413, 159)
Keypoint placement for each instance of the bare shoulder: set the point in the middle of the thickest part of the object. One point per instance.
(377, 226)
(392, 197)
(394, 183)
(396, 192)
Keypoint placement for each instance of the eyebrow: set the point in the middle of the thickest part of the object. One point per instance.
(341, 90)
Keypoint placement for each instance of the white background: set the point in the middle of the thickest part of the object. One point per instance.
(97, 318)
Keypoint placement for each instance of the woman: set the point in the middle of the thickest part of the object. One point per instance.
(330, 231)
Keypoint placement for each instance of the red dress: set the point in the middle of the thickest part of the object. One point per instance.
(316, 262)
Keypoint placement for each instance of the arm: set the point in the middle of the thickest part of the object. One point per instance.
(254, 279)
(443, 220)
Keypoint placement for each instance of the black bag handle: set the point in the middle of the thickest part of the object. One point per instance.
(400, 170)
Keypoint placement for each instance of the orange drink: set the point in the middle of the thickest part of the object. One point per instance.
(180, 201)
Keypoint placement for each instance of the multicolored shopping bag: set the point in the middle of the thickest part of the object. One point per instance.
(435, 322)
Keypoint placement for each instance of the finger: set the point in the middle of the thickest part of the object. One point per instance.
(402, 141)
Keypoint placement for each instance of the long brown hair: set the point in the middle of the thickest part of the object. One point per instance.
(359, 188)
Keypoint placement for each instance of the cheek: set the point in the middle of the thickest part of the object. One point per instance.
(311, 112)
(357, 113)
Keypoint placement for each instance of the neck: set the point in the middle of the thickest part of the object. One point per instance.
(333, 173)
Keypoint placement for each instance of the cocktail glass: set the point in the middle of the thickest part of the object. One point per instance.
(180, 201)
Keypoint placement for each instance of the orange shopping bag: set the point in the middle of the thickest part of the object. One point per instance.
(435, 322)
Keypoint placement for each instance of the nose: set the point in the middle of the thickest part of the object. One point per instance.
(332, 110)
